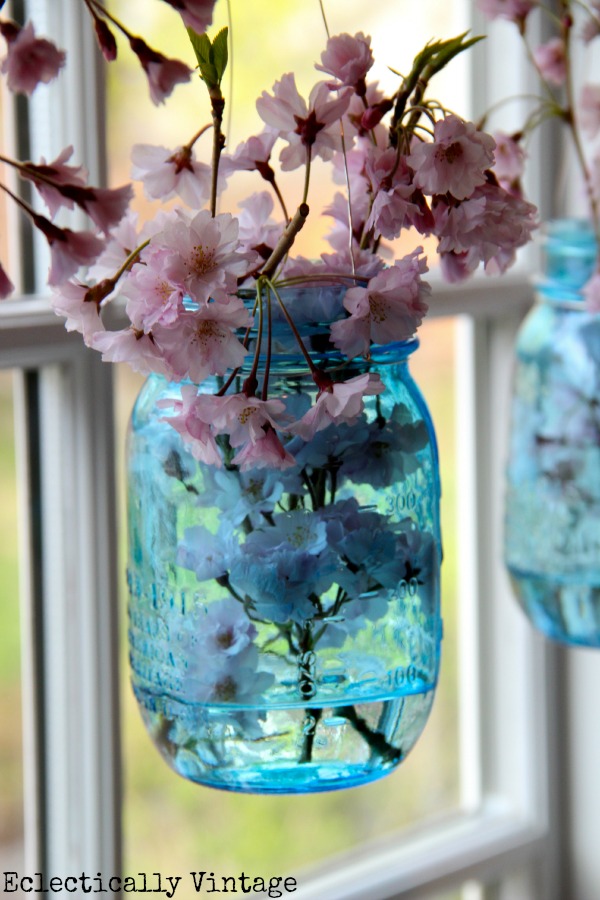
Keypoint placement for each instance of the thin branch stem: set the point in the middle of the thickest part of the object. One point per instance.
(279, 196)
(130, 260)
(217, 106)
(285, 241)
(108, 15)
(265, 387)
(198, 135)
(307, 174)
(572, 124)
(293, 328)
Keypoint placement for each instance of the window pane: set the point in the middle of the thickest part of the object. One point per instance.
(11, 768)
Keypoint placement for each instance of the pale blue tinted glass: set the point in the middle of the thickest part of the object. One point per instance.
(552, 533)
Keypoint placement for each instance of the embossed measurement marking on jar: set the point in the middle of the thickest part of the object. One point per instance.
(401, 676)
(306, 676)
(401, 503)
(407, 588)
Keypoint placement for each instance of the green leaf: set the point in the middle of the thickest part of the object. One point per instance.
(221, 52)
(449, 49)
(212, 56)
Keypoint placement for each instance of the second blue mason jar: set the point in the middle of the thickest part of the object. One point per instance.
(552, 528)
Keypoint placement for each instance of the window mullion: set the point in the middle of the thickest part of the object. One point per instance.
(75, 678)
(517, 668)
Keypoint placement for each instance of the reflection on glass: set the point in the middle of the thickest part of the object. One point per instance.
(11, 771)
(172, 825)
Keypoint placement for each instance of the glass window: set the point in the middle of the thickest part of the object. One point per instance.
(475, 791)
(11, 747)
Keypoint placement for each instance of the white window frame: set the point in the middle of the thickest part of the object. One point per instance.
(510, 750)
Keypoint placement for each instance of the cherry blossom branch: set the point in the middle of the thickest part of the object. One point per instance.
(313, 369)
(217, 103)
(286, 241)
(196, 137)
(307, 174)
(249, 386)
(347, 174)
(567, 29)
(105, 12)
(265, 387)
(376, 741)
(230, 65)
(272, 181)
(324, 276)
(225, 387)
(98, 292)
(212, 57)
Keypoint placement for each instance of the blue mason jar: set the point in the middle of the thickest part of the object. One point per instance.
(552, 526)
(284, 625)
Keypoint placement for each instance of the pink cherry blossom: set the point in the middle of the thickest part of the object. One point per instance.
(106, 39)
(244, 418)
(457, 267)
(348, 58)
(591, 26)
(595, 174)
(391, 210)
(588, 110)
(6, 285)
(268, 452)
(29, 60)
(305, 126)
(551, 60)
(123, 238)
(258, 231)
(133, 347)
(338, 402)
(151, 298)
(509, 158)
(338, 237)
(69, 300)
(58, 172)
(356, 112)
(370, 120)
(591, 293)
(204, 342)
(195, 431)
(488, 227)
(253, 154)
(105, 206)
(68, 249)
(205, 258)
(366, 264)
(515, 10)
(390, 308)
(455, 161)
(359, 196)
(196, 14)
(61, 185)
(392, 192)
(165, 173)
(163, 73)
